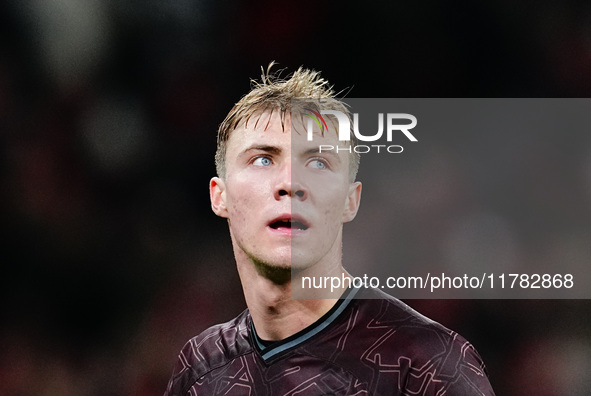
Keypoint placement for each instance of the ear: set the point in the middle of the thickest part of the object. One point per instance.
(217, 195)
(353, 201)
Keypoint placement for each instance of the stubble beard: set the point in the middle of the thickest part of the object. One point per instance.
(278, 274)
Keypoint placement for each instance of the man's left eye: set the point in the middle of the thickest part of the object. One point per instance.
(318, 164)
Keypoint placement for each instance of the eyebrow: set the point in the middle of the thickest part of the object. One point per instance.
(311, 151)
(265, 148)
(316, 151)
(278, 150)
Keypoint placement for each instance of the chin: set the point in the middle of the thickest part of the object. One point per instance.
(279, 271)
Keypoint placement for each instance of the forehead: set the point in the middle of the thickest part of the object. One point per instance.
(272, 128)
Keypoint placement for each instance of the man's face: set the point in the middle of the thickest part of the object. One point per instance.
(285, 202)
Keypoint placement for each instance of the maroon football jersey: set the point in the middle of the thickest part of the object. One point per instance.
(368, 345)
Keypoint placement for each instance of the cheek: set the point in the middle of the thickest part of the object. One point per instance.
(239, 209)
(334, 207)
(244, 202)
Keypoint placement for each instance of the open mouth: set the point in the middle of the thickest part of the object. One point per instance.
(288, 224)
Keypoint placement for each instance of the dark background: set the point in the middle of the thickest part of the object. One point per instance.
(111, 256)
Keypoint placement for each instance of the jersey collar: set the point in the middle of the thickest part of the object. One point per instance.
(267, 351)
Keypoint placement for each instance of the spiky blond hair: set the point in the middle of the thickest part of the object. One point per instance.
(273, 93)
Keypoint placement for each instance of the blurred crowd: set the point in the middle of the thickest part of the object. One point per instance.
(111, 256)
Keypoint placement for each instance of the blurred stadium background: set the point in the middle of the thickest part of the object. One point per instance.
(111, 257)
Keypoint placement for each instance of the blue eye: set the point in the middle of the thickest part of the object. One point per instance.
(318, 164)
(262, 161)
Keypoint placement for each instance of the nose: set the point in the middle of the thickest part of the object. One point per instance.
(299, 193)
(289, 185)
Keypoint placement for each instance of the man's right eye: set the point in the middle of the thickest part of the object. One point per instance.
(262, 161)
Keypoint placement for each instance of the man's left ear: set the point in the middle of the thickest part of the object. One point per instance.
(353, 200)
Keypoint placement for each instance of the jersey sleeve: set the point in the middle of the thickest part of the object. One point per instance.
(466, 374)
(183, 375)
(458, 370)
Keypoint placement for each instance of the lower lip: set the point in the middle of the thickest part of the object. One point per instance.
(285, 231)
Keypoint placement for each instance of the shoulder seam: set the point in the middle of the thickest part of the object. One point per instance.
(197, 378)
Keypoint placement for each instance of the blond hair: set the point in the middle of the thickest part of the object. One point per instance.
(273, 93)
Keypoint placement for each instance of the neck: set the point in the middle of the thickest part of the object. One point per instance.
(275, 314)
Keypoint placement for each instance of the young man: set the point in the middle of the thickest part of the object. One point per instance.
(286, 203)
